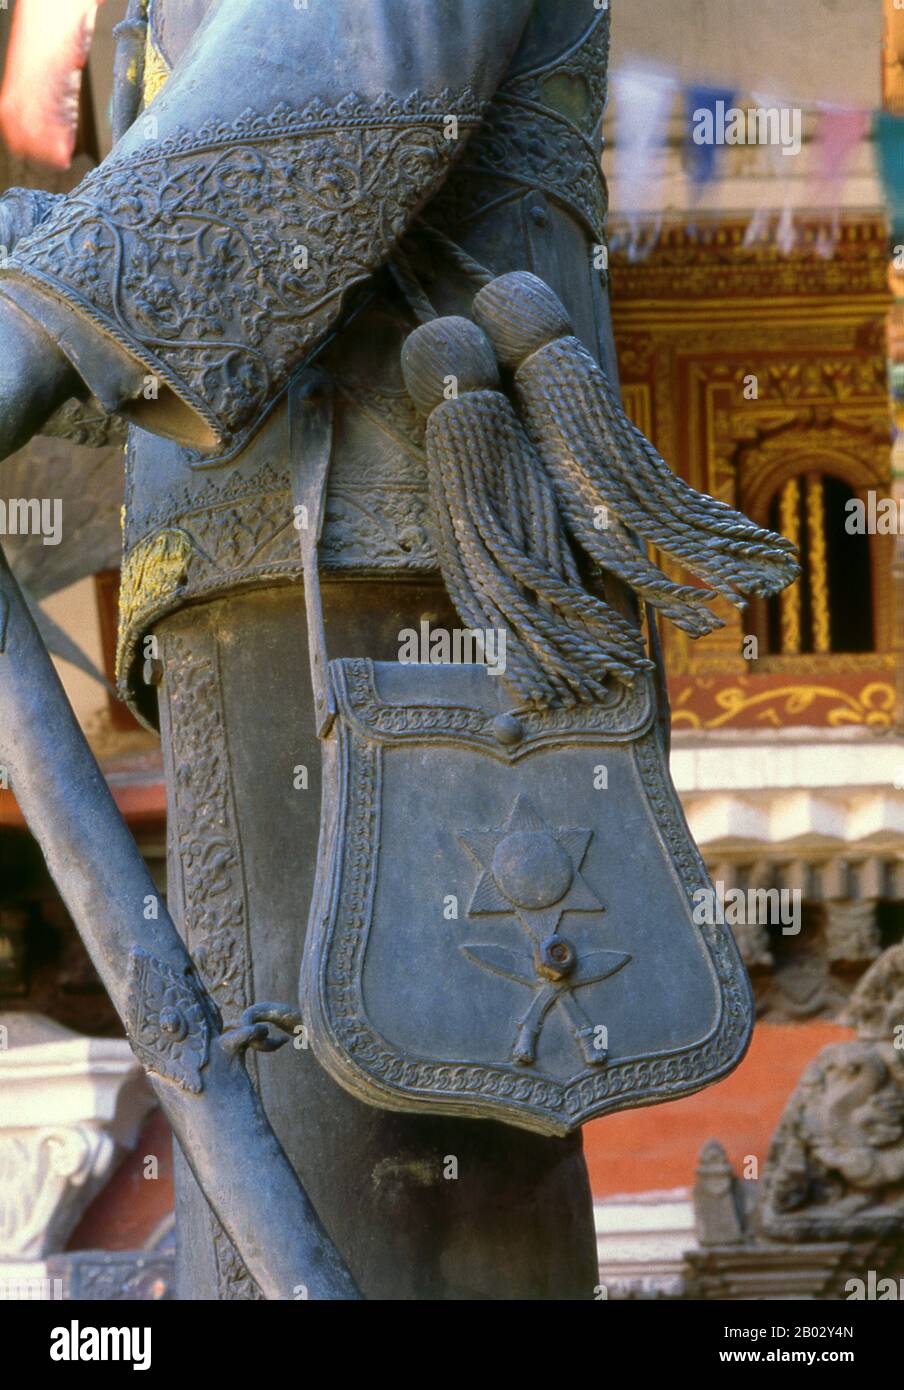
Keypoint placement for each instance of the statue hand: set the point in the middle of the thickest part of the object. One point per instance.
(35, 378)
(21, 210)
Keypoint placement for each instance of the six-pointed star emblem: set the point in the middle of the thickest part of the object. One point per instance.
(531, 869)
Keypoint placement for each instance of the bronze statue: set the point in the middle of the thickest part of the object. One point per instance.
(341, 276)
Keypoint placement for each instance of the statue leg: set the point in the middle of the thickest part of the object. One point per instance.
(421, 1207)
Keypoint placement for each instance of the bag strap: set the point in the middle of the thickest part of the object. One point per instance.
(310, 448)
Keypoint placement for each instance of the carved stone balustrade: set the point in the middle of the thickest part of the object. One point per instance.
(70, 1108)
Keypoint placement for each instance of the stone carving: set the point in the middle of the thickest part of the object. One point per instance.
(45, 1175)
(72, 1107)
(718, 1198)
(852, 932)
(802, 986)
(810, 974)
(830, 1203)
(836, 1164)
(876, 1008)
(753, 943)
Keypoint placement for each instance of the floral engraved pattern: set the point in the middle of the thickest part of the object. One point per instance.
(629, 714)
(234, 1283)
(219, 256)
(227, 533)
(214, 913)
(508, 148)
(574, 82)
(541, 131)
(168, 1025)
(208, 845)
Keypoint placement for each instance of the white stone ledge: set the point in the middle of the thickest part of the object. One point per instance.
(746, 763)
(70, 1107)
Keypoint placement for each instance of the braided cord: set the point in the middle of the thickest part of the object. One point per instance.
(477, 448)
(563, 394)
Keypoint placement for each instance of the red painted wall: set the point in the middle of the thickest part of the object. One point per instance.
(131, 1206)
(642, 1150)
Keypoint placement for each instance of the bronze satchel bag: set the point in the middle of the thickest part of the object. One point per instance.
(502, 923)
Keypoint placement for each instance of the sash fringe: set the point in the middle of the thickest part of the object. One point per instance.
(597, 458)
(497, 530)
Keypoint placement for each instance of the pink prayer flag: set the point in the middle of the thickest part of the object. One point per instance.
(838, 134)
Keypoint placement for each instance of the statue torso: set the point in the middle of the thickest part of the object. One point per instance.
(527, 194)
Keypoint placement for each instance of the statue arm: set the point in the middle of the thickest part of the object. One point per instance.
(196, 269)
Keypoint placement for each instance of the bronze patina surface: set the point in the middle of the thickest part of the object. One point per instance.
(485, 882)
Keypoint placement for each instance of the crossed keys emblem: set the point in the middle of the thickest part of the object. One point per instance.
(533, 871)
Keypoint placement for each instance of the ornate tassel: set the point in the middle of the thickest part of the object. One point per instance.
(497, 531)
(597, 459)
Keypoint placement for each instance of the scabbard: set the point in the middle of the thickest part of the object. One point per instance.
(128, 68)
(172, 1023)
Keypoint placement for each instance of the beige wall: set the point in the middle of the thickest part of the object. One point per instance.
(75, 609)
(825, 50)
(792, 51)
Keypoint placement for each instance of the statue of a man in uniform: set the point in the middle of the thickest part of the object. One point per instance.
(306, 190)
